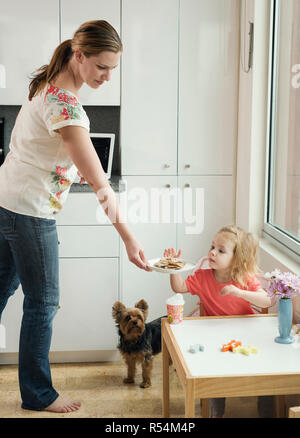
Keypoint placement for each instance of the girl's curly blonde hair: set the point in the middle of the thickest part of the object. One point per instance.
(245, 254)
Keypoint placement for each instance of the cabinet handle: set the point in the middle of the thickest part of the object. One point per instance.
(187, 166)
(187, 185)
(168, 186)
(166, 166)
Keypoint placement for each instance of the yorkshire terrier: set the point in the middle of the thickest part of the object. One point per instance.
(138, 341)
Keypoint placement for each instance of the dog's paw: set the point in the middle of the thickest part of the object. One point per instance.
(145, 385)
(128, 380)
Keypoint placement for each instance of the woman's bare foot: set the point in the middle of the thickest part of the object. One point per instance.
(63, 404)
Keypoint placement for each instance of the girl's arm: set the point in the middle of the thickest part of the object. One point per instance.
(82, 152)
(258, 298)
(178, 284)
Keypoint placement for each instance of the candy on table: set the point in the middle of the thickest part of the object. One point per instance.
(231, 345)
(195, 348)
(245, 350)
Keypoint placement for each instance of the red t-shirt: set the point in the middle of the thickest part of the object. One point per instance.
(204, 284)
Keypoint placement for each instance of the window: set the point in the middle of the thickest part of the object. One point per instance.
(282, 213)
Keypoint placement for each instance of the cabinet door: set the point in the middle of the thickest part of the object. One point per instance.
(29, 33)
(88, 290)
(83, 208)
(208, 207)
(12, 319)
(208, 87)
(195, 236)
(72, 16)
(146, 217)
(149, 87)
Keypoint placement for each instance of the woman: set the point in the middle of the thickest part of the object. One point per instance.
(50, 142)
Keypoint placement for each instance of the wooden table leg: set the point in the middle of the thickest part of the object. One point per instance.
(189, 399)
(166, 385)
(280, 410)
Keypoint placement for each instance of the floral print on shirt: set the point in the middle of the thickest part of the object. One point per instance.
(60, 183)
(67, 106)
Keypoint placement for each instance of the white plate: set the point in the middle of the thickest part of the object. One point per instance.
(188, 267)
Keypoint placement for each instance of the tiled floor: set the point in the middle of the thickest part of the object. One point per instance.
(100, 389)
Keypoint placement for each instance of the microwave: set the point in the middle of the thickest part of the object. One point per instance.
(104, 147)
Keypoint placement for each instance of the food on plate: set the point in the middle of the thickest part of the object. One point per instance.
(170, 263)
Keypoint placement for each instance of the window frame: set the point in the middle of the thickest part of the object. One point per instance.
(280, 238)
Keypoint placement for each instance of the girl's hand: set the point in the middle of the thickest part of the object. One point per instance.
(82, 180)
(230, 290)
(136, 255)
(170, 252)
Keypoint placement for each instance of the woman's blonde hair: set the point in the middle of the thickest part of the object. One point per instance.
(92, 38)
(245, 253)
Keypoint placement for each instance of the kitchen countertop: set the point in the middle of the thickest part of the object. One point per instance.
(116, 183)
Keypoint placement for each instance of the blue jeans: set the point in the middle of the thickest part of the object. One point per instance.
(29, 255)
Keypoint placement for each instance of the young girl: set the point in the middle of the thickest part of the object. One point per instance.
(229, 287)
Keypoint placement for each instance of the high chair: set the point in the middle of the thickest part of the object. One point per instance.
(280, 409)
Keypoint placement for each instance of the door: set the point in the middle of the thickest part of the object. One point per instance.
(149, 87)
(88, 290)
(29, 33)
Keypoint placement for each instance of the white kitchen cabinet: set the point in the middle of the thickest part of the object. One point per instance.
(218, 210)
(89, 288)
(208, 206)
(149, 87)
(194, 237)
(83, 208)
(88, 241)
(29, 33)
(11, 319)
(89, 282)
(208, 86)
(71, 18)
(144, 217)
(89, 276)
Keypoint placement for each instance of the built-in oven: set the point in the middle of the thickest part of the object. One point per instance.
(1, 141)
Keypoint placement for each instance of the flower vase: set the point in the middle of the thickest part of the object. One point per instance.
(285, 316)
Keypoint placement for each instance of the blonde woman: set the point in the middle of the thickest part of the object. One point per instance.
(50, 143)
(229, 287)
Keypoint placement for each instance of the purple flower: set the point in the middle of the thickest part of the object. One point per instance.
(282, 285)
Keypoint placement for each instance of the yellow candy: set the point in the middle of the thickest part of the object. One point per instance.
(237, 349)
(253, 349)
(245, 350)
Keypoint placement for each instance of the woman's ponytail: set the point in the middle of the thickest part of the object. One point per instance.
(92, 38)
(47, 73)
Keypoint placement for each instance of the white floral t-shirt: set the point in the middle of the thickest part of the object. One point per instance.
(37, 173)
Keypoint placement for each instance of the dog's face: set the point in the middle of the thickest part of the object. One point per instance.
(131, 320)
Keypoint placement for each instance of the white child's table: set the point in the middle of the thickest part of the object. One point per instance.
(274, 370)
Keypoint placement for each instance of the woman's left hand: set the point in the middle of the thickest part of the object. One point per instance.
(230, 290)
